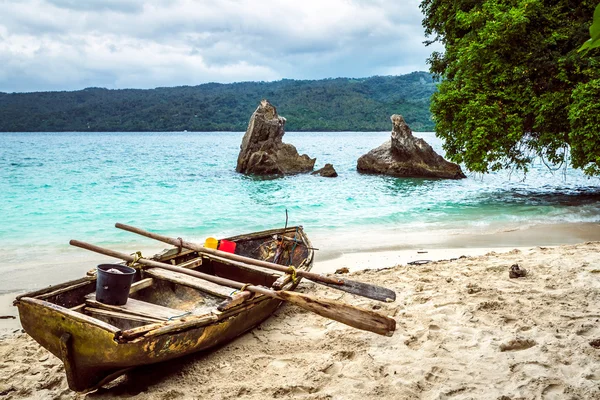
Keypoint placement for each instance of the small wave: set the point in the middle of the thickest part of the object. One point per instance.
(26, 165)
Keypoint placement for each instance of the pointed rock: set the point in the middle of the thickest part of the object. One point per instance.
(327, 171)
(263, 152)
(407, 157)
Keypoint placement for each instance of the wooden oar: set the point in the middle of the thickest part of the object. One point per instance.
(356, 317)
(354, 287)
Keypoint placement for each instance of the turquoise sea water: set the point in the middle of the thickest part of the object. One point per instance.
(60, 186)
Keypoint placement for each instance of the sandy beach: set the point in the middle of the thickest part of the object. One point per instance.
(465, 331)
(404, 197)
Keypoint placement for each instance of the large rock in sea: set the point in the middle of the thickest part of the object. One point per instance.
(263, 152)
(406, 156)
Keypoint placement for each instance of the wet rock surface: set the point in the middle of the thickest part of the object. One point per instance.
(327, 171)
(263, 152)
(406, 156)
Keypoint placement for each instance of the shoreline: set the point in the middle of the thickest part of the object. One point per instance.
(402, 248)
(377, 260)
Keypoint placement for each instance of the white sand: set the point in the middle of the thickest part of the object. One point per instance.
(465, 331)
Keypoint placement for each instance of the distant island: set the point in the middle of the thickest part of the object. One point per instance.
(341, 104)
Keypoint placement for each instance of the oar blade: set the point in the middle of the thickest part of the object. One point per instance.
(355, 317)
(363, 289)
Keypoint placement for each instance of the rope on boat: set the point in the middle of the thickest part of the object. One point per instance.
(136, 257)
(291, 253)
(294, 276)
(244, 287)
(179, 316)
(240, 290)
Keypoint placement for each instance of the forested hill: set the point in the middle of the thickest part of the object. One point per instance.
(318, 105)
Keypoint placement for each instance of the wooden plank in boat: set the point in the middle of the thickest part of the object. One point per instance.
(56, 289)
(191, 264)
(116, 314)
(190, 281)
(139, 285)
(137, 307)
(64, 290)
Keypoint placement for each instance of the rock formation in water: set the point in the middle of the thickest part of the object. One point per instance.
(327, 171)
(263, 152)
(407, 157)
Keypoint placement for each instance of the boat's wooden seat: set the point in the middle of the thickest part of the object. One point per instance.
(190, 281)
(99, 312)
(137, 307)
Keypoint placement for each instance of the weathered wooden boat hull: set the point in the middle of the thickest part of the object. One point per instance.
(95, 352)
(90, 352)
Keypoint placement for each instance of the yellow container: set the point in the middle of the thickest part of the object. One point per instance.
(211, 243)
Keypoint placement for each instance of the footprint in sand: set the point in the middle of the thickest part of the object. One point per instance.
(587, 330)
(344, 355)
(333, 368)
(554, 391)
(517, 345)
(279, 364)
(294, 391)
(533, 369)
(415, 340)
(435, 375)
(593, 376)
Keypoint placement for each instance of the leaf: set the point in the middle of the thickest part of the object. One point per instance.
(594, 40)
(585, 46)
(595, 28)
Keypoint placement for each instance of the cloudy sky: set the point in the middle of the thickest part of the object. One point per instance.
(74, 44)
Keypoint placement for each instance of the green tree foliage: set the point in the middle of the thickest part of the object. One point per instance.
(513, 83)
(319, 105)
(594, 40)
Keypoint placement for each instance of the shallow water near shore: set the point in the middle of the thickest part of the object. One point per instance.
(60, 186)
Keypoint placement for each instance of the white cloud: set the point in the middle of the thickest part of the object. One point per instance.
(126, 6)
(71, 44)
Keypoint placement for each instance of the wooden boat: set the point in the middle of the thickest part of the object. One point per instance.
(167, 315)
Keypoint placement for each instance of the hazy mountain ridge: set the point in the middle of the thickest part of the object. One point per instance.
(340, 104)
